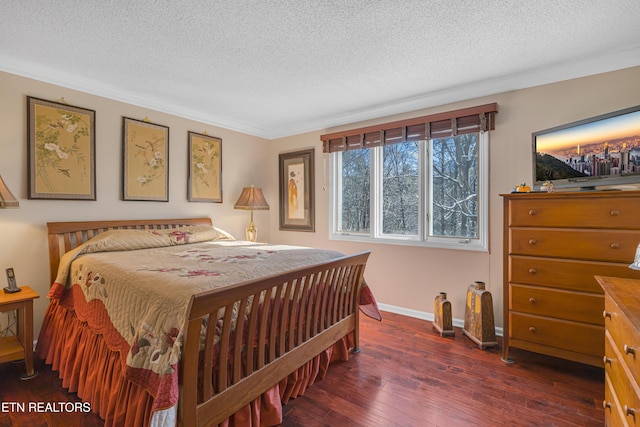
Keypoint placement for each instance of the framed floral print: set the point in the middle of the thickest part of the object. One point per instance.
(61, 142)
(296, 191)
(205, 168)
(145, 150)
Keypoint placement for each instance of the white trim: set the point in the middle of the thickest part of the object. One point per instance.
(458, 323)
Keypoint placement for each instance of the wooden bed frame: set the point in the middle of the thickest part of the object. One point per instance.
(299, 314)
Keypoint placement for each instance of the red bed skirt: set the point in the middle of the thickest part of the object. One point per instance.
(88, 367)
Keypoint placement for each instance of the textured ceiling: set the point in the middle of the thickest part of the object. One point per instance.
(280, 67)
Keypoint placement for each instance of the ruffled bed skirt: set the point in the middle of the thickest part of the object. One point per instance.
(88, 367)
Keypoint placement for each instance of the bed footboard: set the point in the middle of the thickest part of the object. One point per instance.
(264, 330)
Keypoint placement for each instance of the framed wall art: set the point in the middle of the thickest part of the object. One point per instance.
(145, 151)
(61, 143)
(296, 191)
(205, 168)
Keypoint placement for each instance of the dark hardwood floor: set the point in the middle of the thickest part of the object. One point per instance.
(406, 375)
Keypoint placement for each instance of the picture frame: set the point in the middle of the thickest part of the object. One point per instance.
(205, 168)
(61, 146)
(145, 160)
(296, 171)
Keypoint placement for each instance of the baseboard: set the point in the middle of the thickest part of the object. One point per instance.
(459, 323)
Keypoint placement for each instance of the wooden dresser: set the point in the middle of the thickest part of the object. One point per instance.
(622, 350)
(554, 245)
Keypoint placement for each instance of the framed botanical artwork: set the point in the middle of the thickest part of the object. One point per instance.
(61, 142)
(205, 168)
(145, 164)
(296, 191)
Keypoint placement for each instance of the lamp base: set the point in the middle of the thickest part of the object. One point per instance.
(252, 234)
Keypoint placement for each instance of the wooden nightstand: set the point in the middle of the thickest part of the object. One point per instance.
(21, 346)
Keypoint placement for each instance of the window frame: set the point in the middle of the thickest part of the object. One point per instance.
(423, 238)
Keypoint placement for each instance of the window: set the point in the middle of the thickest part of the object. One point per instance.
(412, 186)
(354, 191)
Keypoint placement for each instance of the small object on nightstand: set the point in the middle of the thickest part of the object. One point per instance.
(442, 317)
(478, 319)
(19, 347)
(11, 280)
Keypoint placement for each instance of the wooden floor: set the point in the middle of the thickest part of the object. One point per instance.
(406, 375)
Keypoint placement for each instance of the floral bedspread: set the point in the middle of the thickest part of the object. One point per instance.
(142, 281)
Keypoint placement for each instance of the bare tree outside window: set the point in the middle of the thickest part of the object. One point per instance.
(454, 181)
(400, 189)
(426, 192)
(356, 172)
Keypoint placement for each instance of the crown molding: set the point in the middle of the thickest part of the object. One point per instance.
(544, 75)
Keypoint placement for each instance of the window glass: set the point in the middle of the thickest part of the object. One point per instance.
(400, 189)
(429, 193)
(454, 182)
(355, 191)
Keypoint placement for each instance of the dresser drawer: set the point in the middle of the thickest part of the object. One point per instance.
(624, 336)
(565, 274)
(613, 416)
(623, 386)
(595, 245)
(567, 305)
(576, 212)
(577, 337)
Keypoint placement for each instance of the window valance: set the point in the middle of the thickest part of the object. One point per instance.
(467, 120)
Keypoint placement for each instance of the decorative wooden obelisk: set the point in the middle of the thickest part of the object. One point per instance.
(478, 317)
(442, 316)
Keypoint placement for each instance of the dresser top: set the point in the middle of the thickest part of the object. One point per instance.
(573, 194)
(625, 293)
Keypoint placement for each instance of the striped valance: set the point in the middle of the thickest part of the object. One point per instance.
(468, 120)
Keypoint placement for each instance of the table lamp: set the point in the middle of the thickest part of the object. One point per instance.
(7, 200)
(252, 199)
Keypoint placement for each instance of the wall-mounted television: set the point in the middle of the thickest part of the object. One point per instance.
(598, 152)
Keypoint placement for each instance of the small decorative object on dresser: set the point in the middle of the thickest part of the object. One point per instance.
(548, 187)
(442, 316)
(478, 317)
(622, 344)
(554, 245)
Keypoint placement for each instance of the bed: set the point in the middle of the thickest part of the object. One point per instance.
(143, 311)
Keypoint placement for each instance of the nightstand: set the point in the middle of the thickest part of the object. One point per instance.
(21, 346)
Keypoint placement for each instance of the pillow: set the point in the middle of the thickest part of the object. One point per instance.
(192, 234)
(223, 235)
(188, 234)
(636, 261)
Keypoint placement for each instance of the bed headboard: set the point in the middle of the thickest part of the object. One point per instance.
(65, 236)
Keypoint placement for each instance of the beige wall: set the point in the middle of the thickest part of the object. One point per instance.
(404, 279)
(23, 230)
(408, 278)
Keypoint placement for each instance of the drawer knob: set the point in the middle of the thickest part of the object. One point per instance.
(532, 329)
(606, 314)
(532, 242)
(628, 350)
(629, 411)
(615, 212)
(606, 405)
(614, 245)
(606, 360)
(534, 212)
(532, 300)
(533, 271)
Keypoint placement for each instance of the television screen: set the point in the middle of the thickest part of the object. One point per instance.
(599, 151)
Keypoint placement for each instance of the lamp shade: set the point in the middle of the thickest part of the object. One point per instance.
(251, 198)
(7, 200)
